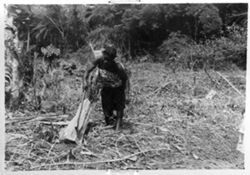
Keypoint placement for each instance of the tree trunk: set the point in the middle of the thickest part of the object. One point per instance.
(12, 60)
(196, 29)
(129, 49)
(28, 41)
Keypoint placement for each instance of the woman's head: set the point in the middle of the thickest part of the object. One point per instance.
(109, 52)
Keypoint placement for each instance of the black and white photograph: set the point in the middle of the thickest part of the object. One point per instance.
(130, 86)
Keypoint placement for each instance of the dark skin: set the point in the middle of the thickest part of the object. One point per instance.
(106, 62)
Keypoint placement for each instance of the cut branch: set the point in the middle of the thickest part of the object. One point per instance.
(230, 84)
(103, 161)
(215, 82)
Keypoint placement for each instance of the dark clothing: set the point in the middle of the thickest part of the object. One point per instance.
(113, 98)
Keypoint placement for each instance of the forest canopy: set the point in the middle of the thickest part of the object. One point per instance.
(134, 29)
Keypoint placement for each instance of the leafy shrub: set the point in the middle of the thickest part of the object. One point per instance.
(226, 49)
(234, 47)
(173, 50)
(176, 42)
(213, 53)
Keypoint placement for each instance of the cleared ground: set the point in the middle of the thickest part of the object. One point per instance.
(169, 124)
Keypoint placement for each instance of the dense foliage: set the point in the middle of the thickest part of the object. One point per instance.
(136, 29)
(186, 36)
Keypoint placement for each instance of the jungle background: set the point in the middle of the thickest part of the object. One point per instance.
(187, 68)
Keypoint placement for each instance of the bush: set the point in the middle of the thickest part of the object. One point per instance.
(234, 47)
(213, 53)
(226, 49)
(176, 51)
(175, 43)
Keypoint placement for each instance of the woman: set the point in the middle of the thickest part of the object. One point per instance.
(114, 81)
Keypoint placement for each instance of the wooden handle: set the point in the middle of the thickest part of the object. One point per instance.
(91, 46)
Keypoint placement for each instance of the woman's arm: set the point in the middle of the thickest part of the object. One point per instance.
(89, 69)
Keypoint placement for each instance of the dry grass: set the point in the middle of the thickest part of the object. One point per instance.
(169, 124)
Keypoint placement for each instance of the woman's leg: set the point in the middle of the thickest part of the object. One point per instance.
(107, 105)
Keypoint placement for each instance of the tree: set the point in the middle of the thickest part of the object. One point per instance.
(207, 21)
(76, 28)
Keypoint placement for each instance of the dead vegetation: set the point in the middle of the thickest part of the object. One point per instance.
(169, 124)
